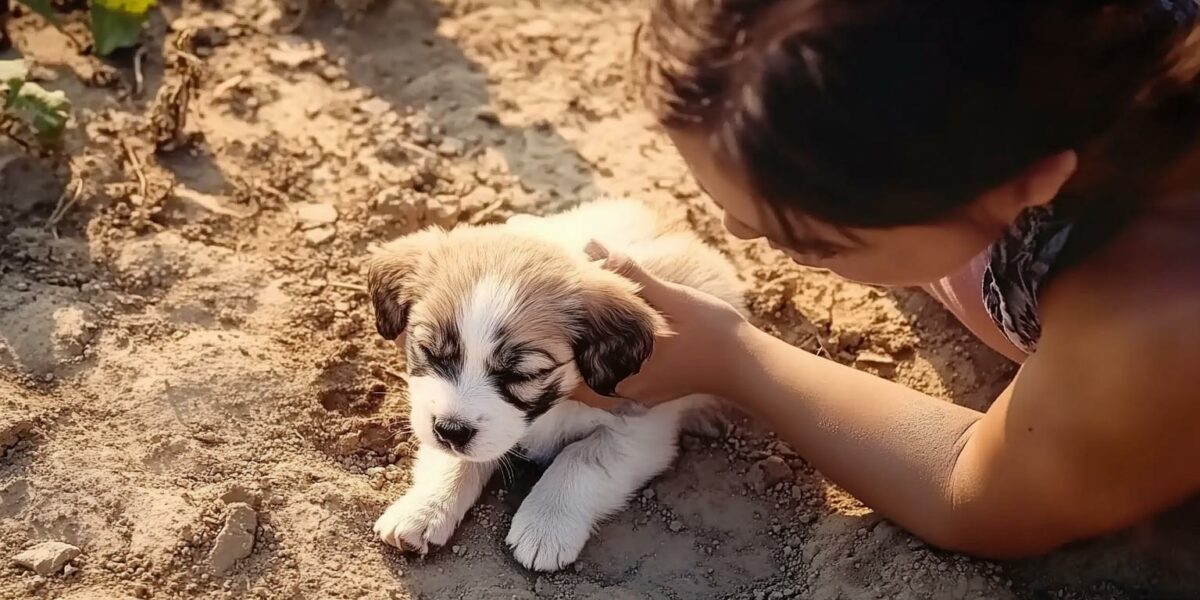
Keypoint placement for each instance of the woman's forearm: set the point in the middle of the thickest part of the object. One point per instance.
(892, 447)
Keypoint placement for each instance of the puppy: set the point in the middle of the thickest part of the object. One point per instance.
(500, 325)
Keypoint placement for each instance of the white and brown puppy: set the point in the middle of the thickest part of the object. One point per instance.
(501, 323)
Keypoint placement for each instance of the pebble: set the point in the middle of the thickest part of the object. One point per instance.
(676, 526)
(481, 196)
(315, 214)
(648, 493)
(236, 539)
(295, 55)
(451, 147)
(768, 473)
(319, 235)
(46, 558)
(374, 106)
(543, 588)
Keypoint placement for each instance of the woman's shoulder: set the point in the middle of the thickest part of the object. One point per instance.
(1138, 295)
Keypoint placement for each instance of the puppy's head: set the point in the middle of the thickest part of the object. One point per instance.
(498, 328)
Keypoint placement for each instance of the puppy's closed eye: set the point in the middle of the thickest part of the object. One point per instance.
(534, 363)
(528, 367)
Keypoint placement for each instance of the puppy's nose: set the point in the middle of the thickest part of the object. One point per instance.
(453, 433)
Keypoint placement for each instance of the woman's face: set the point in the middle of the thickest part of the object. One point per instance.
(897, 256)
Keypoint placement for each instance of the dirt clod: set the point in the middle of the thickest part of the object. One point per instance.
(236, 538)
(768, 473)
(46, 558)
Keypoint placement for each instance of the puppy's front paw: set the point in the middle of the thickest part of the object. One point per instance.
(545, 539)
(415, 521)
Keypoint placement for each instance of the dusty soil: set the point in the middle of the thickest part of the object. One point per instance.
(187, 361)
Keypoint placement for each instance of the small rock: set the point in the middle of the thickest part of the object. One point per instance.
(480, 197)
(46, 558)
(544, 588)
(769, 472)
(140, 590)
(236, 539)
(373, 471)
(676, 526)
(70, 570)
(374, 106)
(331, 72)
(315, 214)
(295, 55)
(648, 493)
(319, 235)
(451, 147)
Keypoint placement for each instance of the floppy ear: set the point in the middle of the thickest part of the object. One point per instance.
(616, 331)
(390, 275)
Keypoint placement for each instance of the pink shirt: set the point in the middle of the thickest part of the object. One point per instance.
(962, 294)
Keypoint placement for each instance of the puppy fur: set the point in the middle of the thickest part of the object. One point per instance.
(500, 324)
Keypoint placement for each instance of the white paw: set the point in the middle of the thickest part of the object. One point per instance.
(416, 521)
(544, 539)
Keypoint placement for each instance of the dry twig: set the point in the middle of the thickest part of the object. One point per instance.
(66, 202)
(139, 80)
(137, 167)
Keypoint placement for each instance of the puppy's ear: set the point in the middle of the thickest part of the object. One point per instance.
(616, 331)
(390, 280)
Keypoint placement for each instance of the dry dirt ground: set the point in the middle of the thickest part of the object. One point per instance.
(184, 342)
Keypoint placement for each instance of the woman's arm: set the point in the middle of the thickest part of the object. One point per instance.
(1090, 436)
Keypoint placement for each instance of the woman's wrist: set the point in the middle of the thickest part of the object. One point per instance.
(735, 362)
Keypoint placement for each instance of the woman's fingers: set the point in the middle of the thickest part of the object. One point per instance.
(620, 263)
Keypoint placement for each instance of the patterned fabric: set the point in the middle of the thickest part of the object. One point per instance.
(1019, 266)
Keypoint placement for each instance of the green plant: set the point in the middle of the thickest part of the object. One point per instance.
(114, 23)
(28, 107)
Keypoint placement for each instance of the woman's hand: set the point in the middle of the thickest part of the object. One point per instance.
(693, 360)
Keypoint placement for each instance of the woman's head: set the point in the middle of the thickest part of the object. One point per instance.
(890, 140)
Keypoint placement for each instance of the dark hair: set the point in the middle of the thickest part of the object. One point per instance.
(876, 113)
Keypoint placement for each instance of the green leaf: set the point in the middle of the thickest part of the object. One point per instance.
(13, 70)
(44, 111)
(43, 8)
(117, 23)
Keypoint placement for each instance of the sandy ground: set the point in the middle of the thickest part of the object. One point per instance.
(189, 347)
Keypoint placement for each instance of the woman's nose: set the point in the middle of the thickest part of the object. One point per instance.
(738, 229)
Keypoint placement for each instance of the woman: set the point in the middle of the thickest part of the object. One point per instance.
(1034, 164)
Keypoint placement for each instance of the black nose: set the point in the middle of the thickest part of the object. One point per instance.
(453, 433)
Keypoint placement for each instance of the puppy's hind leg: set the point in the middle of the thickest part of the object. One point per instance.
(589, 480)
